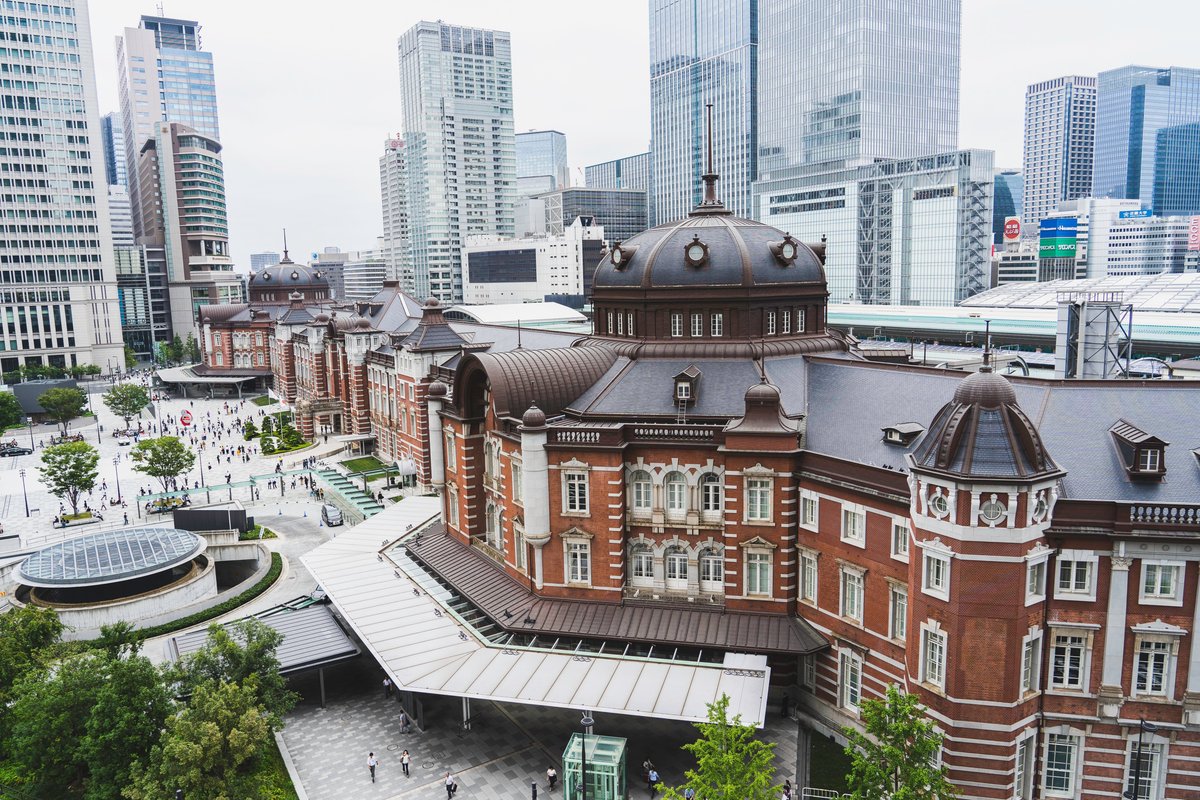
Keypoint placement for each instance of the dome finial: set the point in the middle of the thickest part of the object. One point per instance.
(285, 259)
(709, 177)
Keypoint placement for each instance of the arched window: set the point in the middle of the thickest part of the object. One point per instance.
(710, 496)
(489, 459)
(712, 571)
(640, 490)
(492, 526)
(641, 565)
(676, 569)
(676, 486)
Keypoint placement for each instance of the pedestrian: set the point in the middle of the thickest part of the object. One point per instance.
(451, 786)
(652, 780)
(372, 762)
(533, 786)
(387, 688)
(126, 518)
(551, 777)
(403, 721)
(689, 794)
(404, 759)
(787, 791)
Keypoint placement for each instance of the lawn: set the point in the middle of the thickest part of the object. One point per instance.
(364, 464)
(263, 401)
(256, 533)
(828, 764)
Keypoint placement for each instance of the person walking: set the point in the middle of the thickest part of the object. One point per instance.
(387, 688)
(451, 786)
(551, 777)
(652, 781)
(404, 760)
(372, 762)
(533, 786)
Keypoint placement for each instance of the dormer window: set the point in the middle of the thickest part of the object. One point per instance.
(1141, 453)
(1149, 459)
(903, 433)
(686, 384)
(683, 391)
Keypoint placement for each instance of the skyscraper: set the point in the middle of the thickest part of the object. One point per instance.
(1060, 137)
(541, 162)
(163, 75)
(853, 81)
(457, 106)
(1007, 188)
(701, 53)
(112, 135)
(1142, 119)
(58, 288)
(393, 188)
(630, 172)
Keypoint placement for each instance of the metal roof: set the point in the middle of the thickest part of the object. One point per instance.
(110, 556)
(514, 313)
(312, 638)
(1168, 291)
(405, 619)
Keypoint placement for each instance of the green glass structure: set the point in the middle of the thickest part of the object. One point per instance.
(604, 767)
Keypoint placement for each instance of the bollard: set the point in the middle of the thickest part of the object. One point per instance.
(280, 514)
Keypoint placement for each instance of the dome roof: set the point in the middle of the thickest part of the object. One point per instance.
(983, 433)
(534, 418)
(110, 556)
(288, 274)
(734, 253)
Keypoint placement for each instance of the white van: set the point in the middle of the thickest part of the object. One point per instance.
(331, 515)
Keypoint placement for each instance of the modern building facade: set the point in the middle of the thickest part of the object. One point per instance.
(112, 134)
(1147, 245)
(541, 162)
(263, 259)
(457, 108)
(528, 270)
(1139, 114)
(910, 232)
(620, 212)
(1093, 218)
(630, 172)
(393, 190)
(1007, 191)
(59, 288)
(1060, 137)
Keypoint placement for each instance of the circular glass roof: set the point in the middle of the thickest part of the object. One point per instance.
(110, 556)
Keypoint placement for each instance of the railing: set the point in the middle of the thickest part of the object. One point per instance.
(1165, 515)
(808, 793)
(576, 437)
(699, 433)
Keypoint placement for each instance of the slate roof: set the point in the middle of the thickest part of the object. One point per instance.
(645, 387)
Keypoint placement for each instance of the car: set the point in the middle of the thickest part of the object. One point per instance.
(124, 442)
(331, 515)
(14, 450)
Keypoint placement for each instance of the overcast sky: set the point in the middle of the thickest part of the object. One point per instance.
(307, 92)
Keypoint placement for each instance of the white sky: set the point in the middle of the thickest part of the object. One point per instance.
(307, 91)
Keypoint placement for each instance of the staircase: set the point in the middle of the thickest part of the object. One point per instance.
(352, 494)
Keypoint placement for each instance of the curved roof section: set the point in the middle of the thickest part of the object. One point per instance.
(739, 255)
(288, 274)
(513, 313)
(550, 378)
(110, 557)
(223, 312)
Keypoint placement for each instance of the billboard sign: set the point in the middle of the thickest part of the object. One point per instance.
(1012, 229)
(1140, 213)
(1194, 233)
(1057, 237)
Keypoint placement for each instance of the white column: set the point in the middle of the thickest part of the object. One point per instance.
(536, 487)
(437, 442)
(1114, 624)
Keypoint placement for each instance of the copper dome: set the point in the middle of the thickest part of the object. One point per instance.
(986, 388)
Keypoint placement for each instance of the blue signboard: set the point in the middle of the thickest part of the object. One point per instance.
(1140, 213)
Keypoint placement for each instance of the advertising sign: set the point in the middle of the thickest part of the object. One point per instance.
(1194, 233)
(1140, 213)
(1012, 229)
(185, 419)
(1057, 237)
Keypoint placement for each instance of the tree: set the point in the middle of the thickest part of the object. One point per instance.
(11, 413)
(130, 357)
(126, 400)
(177, 349)
(63, 405)
(69, 469)
(730, 763)
(896, 758)
(207, 748)
(249, 431)
(163, 458)
(245, 649)
(191, 348)
(25, 631)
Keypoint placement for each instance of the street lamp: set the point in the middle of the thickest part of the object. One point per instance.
(29, 421)
(24, 493)
(1136, 792)
(117, 474)
(587, 722)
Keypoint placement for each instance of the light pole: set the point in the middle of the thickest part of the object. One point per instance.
(587, 722)
(1136, 792)
(95, 416)
(24, 493)
(117, 475)
(29, 421)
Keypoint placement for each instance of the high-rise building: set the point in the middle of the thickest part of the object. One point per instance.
(363, 275)
(702, 53)
(631, 172)
(58, 287)
(1147, 245)
(541, 162)
(457, 107)
(1060, 137)
(621, 213)
(1006, 200)
(113, 140)
(266, 258)
(1142, 119)
(181, 169)
(852, 82)
(121, 217)
(163, 75)
(393, 190)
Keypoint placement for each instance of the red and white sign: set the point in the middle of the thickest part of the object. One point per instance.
(185, 418)
(1012, 229)
(1194, 233)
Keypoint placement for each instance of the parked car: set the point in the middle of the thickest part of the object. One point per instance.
(11, 449)
(331, 515)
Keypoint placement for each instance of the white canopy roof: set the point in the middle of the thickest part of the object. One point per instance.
(403, 618)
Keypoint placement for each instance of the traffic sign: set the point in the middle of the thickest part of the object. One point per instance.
(185, 418)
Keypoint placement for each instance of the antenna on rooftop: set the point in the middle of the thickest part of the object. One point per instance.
(161, 13)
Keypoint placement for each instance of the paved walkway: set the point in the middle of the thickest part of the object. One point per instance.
(508, 747)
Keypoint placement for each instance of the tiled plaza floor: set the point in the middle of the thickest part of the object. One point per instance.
(508, 747)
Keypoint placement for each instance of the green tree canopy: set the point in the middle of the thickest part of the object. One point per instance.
(731, 764)
(207, 749)
(126, 400)
(11, 413)
(63, 405)
(163, 458)
(191, 348)
(130, 357)
(69, 469)
(25, 632)
(897, 756)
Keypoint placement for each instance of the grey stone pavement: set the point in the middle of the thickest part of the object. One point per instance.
(508, 747)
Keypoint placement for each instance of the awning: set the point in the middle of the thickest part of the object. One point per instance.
(404, 617)
(356, 437)
(187, 375)
(406, 466)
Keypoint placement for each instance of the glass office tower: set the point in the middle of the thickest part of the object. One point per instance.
(1060, 139)
(1143, 116)
(1007, 191)
(702, 51)
(457, 106)
(848, 82)
(542, 157)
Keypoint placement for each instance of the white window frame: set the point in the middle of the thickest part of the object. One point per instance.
(1152, 572)
(629, 323)
(1150, 780)
(675, 494)
(644, 555)
(712, 497)
(1071, 741)
(707, 555)
(934, 654)
(517, 470)
(809, 576)
(808, 671)
(579, 479)
(758, 566)
(1159, 644)
(641, 492)
(1149, 459)
(577, 560)
(758, 487)
(1089, 560)
(1035, 578)
(1029, 680)
(852, 592)
(450, 456)
(1072, 639)
(770, 323)
(611, 327)
(452, 505)
(1023, 769)
(785, 318)
(935, 573)
(900, 539)
(800, 320)
(520, 548)
(810, 510)
(673, 556)
(897, 612)
(854, 524)
(697, 325)
(716, 322)
(676, 323)
(850, 667)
